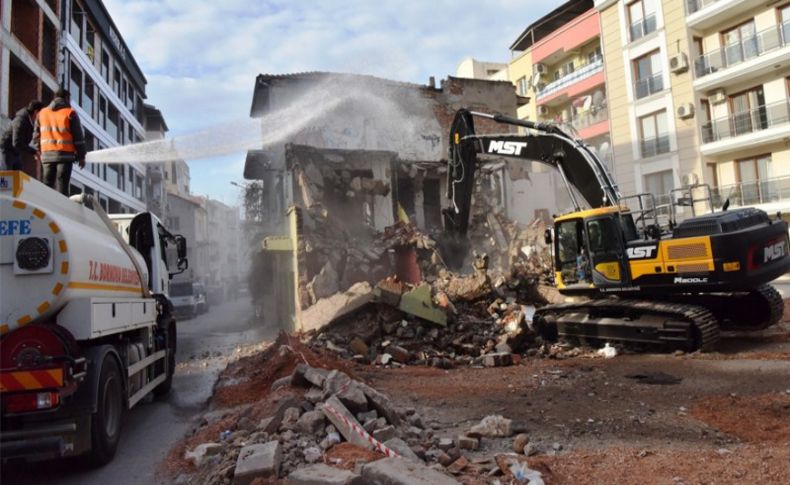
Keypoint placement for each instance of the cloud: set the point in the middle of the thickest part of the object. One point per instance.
(201, 57)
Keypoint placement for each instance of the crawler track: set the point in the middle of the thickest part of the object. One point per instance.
(667, 325)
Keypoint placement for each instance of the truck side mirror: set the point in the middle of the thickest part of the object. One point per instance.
(547, 236)
(181, 246)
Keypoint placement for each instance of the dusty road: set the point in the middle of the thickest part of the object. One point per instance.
(204, 346)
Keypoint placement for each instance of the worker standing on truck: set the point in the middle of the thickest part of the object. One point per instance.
(59, 139)
(17, 137)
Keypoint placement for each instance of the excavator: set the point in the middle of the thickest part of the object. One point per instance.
(646, 274)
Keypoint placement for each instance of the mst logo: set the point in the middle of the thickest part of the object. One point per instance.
(680, 279)
(642, 252)
(506, 147)
(775, 251)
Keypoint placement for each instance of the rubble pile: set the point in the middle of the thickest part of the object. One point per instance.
(327, 416)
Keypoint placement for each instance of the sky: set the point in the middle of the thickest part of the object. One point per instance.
(201, 57)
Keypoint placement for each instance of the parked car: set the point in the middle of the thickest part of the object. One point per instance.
(189, 299)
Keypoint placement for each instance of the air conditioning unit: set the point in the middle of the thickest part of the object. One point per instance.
(685, 111)
(717, 97)
(541, 68)
(679, 63)
(543, 110)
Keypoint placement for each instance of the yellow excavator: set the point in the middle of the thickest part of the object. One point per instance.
(662, 276)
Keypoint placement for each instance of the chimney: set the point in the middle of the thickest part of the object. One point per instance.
(432, 82)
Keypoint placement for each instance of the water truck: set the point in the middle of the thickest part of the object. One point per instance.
(86, 323)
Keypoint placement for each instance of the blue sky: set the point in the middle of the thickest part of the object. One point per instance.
(201, 56)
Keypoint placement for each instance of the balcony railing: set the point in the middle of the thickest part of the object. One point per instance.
(697, 5)
(730, 55)
(744, 122)
(752, 193)
(582, 73)
(585, 120)
(649, 85)
(655, 146)
(643, 27)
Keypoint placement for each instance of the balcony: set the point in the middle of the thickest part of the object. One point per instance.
(752, 193)
(589, 119)
(649, 85)
(749, 48)
(586, 72)
(651, 147)
(643, 27)
(758, 126)
(703, 15)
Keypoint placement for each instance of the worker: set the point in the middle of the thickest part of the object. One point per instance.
(58, 137)
(17, 137)
(582, 266)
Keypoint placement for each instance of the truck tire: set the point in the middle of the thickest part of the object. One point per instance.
(164, 388)
(106, 421)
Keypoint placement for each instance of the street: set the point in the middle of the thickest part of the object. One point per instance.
(150, 429)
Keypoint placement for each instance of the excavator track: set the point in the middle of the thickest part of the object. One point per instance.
(671, 326)
(744, 311)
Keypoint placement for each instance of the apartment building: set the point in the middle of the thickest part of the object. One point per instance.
(107, 89)
(557, 62)
(29, 32)
(471, 68)
(698, 91)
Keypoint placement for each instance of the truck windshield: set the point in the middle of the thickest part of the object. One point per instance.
(181, 289)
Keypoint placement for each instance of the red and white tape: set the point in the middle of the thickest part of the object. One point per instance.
(364, 434)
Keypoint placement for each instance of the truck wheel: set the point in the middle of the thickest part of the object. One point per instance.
(106, 421)
(164, 388)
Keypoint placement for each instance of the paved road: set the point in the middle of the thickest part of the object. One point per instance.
(153, 427)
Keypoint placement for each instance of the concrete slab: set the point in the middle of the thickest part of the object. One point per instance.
(321, 474)
(397, 471)
(260, 460)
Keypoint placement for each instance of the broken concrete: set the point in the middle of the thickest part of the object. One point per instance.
(347, 431)
(396, 471)
(320, 474)
(329, 309)
(257, 461)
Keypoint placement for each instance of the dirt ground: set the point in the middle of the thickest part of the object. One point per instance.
(720, 417)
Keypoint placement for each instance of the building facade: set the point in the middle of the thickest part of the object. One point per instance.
(699, 92)
(557, 62)
(107, 90)
(29, 35)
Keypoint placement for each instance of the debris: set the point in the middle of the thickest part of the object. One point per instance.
(468, 443)
(458, 465)
(384, 434)
(199, 454)
(312, 454)
(345, 423)
(519, 442)
(657, 378)
(400, 447)
(259, 460)
(396, 471)
(608, 351)
(358, 346)
(320, 474)
(498, 360)
(311, 422)
(492, 426)
(329, 309)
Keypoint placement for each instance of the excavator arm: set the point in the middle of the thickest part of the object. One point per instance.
(547, 143)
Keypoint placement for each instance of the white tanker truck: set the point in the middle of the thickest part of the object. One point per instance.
(86, 325)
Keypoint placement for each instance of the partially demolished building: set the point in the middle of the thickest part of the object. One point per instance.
(357, 194)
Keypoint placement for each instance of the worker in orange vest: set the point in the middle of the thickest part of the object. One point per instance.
(59, 139)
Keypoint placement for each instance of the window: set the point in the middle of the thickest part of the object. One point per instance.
(659, 183)
(138, 187)
(111, 174)
(123, 92)
(112, 122)
(740, 43)
(784, 20)
(647, 73)
(641, 18)
(130, 172)
(75, 84)
(105, 66)
(130, 98)
(102, 117)
(90, 141)
(654, 134)
(90, 41)
(707, 121)
(521, 86)
(116, 82)
(87, 96)
(77, 18)
(748, 111)
(595, 55)
(752, 177)
(121, 136)
(602, 235)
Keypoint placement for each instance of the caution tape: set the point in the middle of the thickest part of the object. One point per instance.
(381, 447)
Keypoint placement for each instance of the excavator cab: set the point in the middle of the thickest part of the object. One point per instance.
(590, 251)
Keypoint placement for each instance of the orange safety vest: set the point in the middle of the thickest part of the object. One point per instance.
(55, 130)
